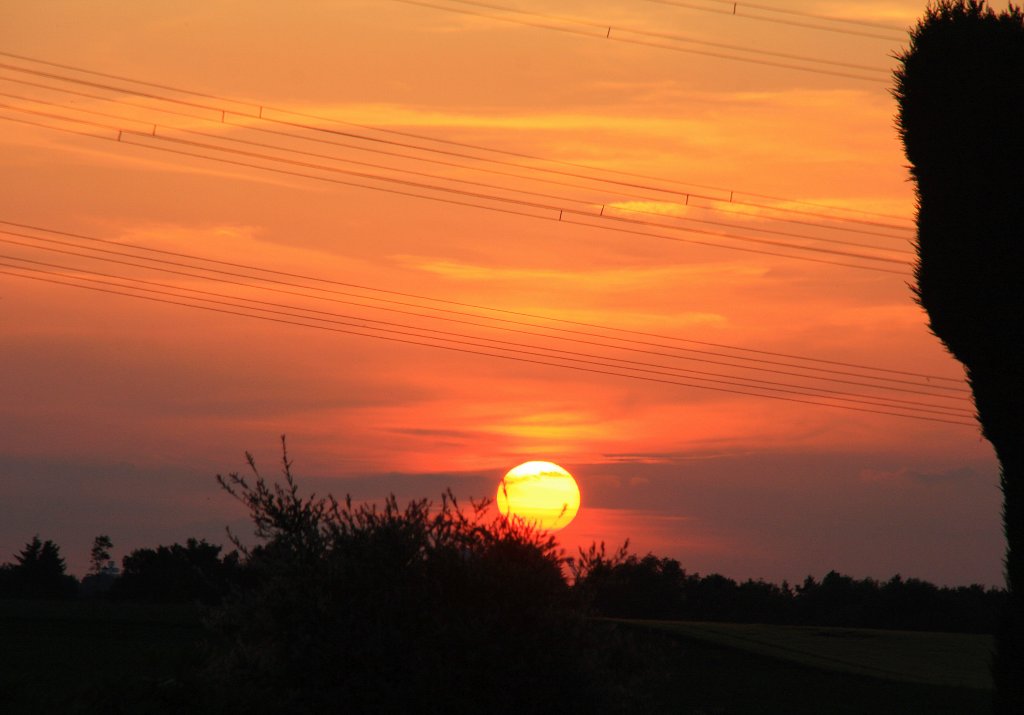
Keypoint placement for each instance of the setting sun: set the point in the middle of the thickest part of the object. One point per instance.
(539, 492)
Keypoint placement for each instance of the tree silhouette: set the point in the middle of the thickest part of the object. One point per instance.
(627, 586)
(102, 569)
(960, 89)
(99, 555)
(38, 573)
(177, 574)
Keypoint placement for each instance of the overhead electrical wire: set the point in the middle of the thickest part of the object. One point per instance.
(574, 336)
(686, 188)
(739, 9)
(801, 13)
(657, 35)
(729, 196)
(478, 352)
(565, 215)
(879, 373)
(574, 357)
(543, 21)
(686, 195)
(514, 347)
(675, 196)
(479, 348)
(586, 202)
(412, 188)
(621, 363)
(257, 111)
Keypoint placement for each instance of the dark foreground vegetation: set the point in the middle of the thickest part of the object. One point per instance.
(428, 608)
(89, 657)
(961, 107)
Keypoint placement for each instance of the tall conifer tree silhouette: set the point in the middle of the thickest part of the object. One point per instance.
(960, 89)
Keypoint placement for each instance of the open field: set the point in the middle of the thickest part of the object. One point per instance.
(95, 657)
(947, 659)
(694, 673)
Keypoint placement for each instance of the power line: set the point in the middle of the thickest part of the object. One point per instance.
(562, 210)
(411, 188)
(657, 41)
(896, 378)
(730, 196)
(586, 202)
(520, 347)
(738, 9)
(258, 112)
(675, 196)
(575, 339)
(469, 346)
(664, 36)
(477, 352)
(799, 13)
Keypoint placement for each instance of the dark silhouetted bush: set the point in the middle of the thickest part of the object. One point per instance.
(387, 609)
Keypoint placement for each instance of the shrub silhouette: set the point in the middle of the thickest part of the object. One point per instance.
(418, 609)
(961, 110)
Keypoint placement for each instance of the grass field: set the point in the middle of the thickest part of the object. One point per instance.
(947, 659)
(95, 657)
(696, 672)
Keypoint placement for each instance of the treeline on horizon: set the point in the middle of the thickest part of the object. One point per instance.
(621, 585)
(659, 588)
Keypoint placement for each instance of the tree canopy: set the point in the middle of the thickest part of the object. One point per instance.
(39, 571)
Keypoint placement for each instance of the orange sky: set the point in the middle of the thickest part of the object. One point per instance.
(118, 411)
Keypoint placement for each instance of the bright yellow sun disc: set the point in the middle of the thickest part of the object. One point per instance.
(541, 493)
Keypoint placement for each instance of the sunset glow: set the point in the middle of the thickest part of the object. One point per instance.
(425, 244)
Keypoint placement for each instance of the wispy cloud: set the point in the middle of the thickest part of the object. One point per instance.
(908, 475)
(888, 12)
(650, 275)
(396, 115)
